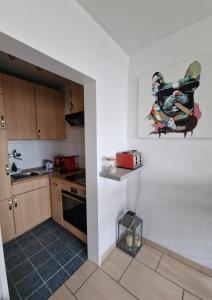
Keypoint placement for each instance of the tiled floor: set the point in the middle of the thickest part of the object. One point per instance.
(41, 260)
(150, 276)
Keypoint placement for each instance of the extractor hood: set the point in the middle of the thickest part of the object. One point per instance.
(75, 119)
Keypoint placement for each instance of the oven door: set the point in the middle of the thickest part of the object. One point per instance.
(74, 210)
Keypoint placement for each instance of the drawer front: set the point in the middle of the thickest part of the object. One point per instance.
(29, 185)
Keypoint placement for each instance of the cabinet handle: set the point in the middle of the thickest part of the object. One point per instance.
(39, 133)
(15, 202)
(7, 170)
(71, 103)
(71, 106)
(2, 121)
(10, 205)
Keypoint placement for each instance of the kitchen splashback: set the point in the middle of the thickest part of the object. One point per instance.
(33, 152)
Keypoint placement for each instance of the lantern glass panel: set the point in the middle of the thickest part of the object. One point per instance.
(130, 233)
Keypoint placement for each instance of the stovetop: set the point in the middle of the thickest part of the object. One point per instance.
(77, 178)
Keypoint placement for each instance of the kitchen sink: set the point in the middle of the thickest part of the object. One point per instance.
(24, 175)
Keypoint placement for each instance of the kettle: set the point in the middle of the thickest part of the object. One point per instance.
(49, 165)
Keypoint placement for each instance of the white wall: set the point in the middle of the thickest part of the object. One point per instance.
(176, 184)
(64, 31)
(4, 292)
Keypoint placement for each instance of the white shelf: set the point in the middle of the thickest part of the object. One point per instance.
(120, 174)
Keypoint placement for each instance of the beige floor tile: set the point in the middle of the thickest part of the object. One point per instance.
(185, 260)
(193, 281)
(62, 294)
(188, 296)
(116, 263)
(149, 256)
(148, 285)
(80, 276)
(101, 286)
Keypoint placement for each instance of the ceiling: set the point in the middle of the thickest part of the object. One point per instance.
(135, 24)
(17, 67)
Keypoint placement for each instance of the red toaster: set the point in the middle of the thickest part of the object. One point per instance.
(129, 160)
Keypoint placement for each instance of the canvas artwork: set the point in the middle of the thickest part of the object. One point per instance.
(173, 101)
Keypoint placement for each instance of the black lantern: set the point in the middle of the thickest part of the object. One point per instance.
(130, 233)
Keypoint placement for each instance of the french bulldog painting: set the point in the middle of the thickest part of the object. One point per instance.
(174, 109)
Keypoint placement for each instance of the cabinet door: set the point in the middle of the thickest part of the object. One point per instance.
(50, 112)
(76, 97)
(56, 202)
(2, 115)
(7, 220)
(5, 182)
(19, 106)
(31, 209)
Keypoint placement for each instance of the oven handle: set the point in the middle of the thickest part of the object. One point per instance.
(73, 198)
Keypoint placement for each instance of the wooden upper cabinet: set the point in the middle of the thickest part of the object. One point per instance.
(76, 97)
(50, 112)
(19, 106)
(5, 183)
(2, 115)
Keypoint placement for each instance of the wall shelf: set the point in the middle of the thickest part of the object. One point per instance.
(120, 174)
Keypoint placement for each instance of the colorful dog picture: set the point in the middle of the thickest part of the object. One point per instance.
(174, 102)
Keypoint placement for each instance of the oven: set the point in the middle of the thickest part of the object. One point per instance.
(74, 209)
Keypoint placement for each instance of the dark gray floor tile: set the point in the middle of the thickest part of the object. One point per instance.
(57, 280)
(48, 269)
(53, 226)
(48, 221)
(69, 242)
(66, 237)
(47, 238)
(41, 294)
(40, 232)
(41, 225)
(73, 265)
(54, 247)
(39, 258)
(24, 235)
(33, 248)
(14, 294)
(76, 245)
(83, 254)
(26, 240)
(64, 255)
(60, 231)
(14, 260)
(21, 271)
(9, 281)
(11, 248)
(27, 286)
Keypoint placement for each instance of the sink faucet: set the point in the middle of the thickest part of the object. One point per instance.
(15, 155)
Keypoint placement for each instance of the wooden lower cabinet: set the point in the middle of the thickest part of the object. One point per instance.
(56, 202)
(7, 220)
(31, 208)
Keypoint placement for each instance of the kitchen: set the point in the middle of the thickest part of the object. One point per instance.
(34, 134)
